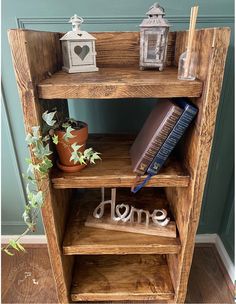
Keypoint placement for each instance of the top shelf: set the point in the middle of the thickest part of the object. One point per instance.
(127, 82)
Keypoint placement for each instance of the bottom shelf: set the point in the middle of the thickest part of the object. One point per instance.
(120, 278)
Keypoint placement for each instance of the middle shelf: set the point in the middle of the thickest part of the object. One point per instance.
(115, 168)
(80, 239)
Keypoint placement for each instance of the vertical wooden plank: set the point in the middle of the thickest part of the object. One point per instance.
(211, 46)
(35, 56)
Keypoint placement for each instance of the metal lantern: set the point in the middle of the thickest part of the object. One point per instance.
(78, 49)
(153, 39)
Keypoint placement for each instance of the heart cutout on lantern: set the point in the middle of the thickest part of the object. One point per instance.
(122, 214)
(82, 52)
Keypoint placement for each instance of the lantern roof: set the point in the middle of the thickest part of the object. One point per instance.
(156, 9)
(155, 17)
(76, 34)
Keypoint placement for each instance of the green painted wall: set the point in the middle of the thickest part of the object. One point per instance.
(102, 116)
(227, 225)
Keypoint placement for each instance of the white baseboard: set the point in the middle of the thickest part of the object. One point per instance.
(206, 238)
(200, 238)
(26, 239)
(229, 266)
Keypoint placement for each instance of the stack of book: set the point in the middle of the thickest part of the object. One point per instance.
(161, 132)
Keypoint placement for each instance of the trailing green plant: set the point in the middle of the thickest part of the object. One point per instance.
(39, 166)
(68, 125)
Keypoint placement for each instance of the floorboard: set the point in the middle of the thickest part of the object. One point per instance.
(27, 278)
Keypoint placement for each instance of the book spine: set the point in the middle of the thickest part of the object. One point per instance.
(157, 141)
(172, 140)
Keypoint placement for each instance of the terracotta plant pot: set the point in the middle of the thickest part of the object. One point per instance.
(64, 148)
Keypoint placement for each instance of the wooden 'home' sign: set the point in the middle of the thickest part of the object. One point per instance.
(123, 217)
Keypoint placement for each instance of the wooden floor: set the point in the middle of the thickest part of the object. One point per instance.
(27, 278)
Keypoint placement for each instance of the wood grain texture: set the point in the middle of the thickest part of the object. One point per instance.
(25, 276)
(35, 56)
(211, 46)
(122, 82)
(106, 223)
(115, 168)
(122, 278)
(118, 49)
(80, 239)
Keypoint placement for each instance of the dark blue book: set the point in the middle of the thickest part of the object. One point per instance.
(189, 112)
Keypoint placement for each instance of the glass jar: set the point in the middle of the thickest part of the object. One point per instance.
(187, 70)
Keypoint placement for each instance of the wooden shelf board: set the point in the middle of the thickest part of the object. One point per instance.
(79, 239)
(121, 278)
(127, 82)
(115, 168)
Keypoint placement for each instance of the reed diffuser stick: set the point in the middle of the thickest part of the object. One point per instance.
(193, 19)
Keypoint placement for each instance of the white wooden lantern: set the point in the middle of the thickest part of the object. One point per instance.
(78, 49)
(153, 39)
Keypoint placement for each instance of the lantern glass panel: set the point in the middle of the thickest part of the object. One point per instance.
(151, 46)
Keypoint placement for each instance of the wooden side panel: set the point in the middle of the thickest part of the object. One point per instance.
(211, 46)
(43, 53)
(36, 55)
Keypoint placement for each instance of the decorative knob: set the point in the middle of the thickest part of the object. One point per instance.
(76, 22)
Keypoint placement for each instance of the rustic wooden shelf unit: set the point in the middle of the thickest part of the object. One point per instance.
(91, 264)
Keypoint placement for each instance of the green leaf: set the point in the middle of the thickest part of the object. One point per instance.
(45, 165)
(74, 157)
(47, 150)
(27, 218)
(88, 153)
(29, 139)
(39, 198)
(68, 134)
(34, 137)
(55, 139)
(46, 138)
(13, 244)
(40, 150)
(82, 159)
(8, 252)
(94, 157)
(76, 147)
(35, 200)
(20, 247)
(32, 167)
(48, 118)
(35, 131)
